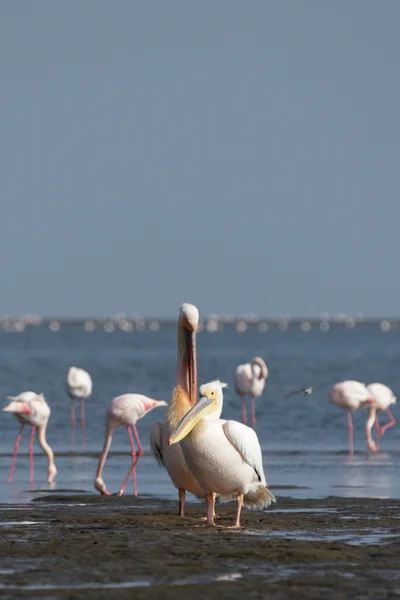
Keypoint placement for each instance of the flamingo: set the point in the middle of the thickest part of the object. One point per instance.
(224, 456)
(124, 410)
(384, 397)
(351, 395)
(79, 387)
(184, 396)
(32, 409)
(250, 379)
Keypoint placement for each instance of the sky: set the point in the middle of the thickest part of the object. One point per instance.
(240, 155)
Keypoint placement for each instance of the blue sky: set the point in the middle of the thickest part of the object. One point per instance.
(243, 156)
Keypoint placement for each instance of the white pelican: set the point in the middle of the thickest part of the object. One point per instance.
(384, 398)
(351, 395)
(124, 410)
(32, 409)
(184, 397)
(250, 380)
(224, 456)
(79, 387)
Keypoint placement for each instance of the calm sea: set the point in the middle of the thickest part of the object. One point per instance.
(304, 439)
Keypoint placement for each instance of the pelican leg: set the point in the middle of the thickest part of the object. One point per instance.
(391, 422)
(133, 467)
(214, 514)
(350, 425)
(244, 410)
(210, 499)
(239, 510)
(31, 465)
(182, 495)
(377, 432)
(14, 458)
(253, 412)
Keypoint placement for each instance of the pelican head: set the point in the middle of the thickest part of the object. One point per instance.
(210, 403)
(187, 327)
(189, 317)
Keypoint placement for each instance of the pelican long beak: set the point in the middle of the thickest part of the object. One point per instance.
(191, 357)
(203, 407)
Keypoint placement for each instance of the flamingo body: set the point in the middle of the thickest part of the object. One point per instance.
(350, 395)
(79, 387)
(250, 380)
(124, 410)
(383, 398)
(32, 409)
(383, 395)
(79, 384)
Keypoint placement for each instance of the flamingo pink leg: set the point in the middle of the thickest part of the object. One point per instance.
(73, 415)
(133, 467)
(377, 431)
(391, 422)
(83, 419)
(14, 458)
(350, 425)
(253, 412)
(137, 440)
(72, 438)
(244, 410)
(31, 465)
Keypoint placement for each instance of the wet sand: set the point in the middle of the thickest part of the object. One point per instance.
(87, 546)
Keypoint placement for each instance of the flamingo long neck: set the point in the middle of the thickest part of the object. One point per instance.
(104, 454)
(369, 424)
(41, 435)
(180, 403)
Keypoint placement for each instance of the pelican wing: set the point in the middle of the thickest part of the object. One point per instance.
(156, 442)
(245, 440)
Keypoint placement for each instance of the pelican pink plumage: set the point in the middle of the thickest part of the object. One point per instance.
(350, 395)
(384, 398)
(250, 380)
(32, 409)
(124, 410)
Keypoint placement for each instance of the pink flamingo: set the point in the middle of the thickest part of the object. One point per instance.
(351, 395)
(79, 387)
(384, 397)
(124, 410)
(32, 409)
(250, 379)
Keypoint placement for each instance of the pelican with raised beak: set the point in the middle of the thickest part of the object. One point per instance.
(184, 397)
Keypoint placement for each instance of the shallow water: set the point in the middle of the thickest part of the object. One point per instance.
(304, 439)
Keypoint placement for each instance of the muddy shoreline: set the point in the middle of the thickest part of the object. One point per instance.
(87, 546)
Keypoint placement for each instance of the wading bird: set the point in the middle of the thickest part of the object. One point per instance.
(250, 380)
(224, 456)
(32, 409)
(79, 387)
(124, 410)
(351, 395)
(384, 397)
(184, 397)
(307, 391)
